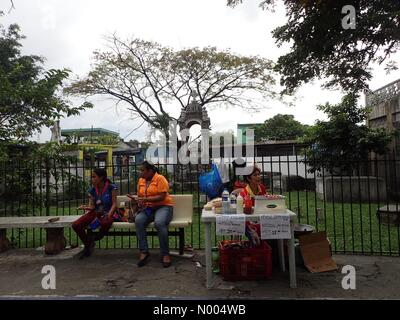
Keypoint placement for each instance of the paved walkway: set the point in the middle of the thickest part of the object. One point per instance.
(114, 273)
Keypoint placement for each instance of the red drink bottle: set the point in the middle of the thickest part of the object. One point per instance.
(248, 204)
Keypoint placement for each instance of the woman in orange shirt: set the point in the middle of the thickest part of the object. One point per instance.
(156, 205)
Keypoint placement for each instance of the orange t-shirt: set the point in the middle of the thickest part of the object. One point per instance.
(247, 192)
(157, 185)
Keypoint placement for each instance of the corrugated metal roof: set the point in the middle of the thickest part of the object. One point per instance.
(87, 132)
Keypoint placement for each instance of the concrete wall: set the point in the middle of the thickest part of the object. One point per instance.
(354, 189)
(292, 183)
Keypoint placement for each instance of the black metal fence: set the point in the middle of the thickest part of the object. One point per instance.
(357, 210)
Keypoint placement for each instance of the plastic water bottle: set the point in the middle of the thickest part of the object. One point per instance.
(233, 203)
(225, 202)
(239, 204)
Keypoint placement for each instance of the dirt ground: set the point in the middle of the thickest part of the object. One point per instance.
(114, 273)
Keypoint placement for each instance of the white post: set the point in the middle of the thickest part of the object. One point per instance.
(209, 274)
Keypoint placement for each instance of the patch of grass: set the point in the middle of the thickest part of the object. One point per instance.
(351, 227)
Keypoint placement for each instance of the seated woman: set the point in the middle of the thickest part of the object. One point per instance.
(102, 205)
(253, 188)
(156, 205)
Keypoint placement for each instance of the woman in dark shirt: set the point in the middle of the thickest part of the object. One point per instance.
(102, 205)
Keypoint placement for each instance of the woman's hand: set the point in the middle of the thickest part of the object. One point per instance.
(85, 207)
(156, 198)
(132, 196)
(141, 202)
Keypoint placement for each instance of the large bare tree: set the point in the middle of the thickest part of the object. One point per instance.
(150, 78)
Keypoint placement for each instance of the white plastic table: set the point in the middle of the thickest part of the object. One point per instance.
(208, 217)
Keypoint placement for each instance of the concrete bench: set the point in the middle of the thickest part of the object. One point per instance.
(56, 242)
(54, 230)
(182, 218)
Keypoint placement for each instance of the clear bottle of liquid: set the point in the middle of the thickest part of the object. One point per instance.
(233, 203)
(239, 204)
(225, 202)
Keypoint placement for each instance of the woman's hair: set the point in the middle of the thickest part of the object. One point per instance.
(253, 170)
(102, 173)
(149, 166)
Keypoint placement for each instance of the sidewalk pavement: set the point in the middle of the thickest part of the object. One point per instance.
(113, 273)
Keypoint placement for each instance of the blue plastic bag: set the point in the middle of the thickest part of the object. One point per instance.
(210, 183)
(95, 224)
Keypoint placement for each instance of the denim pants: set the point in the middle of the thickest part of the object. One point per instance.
(161, 216)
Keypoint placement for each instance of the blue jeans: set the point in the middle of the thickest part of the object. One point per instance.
(161, 216)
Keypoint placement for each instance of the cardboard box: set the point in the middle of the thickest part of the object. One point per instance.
(316, 252)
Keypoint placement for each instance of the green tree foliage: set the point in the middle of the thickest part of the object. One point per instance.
(29, 96)
(24, 165)
(322, 48)
(148, 76)
(280, 127)
(340, 143)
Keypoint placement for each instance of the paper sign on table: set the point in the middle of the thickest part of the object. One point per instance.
(275, 226)
(230, 224)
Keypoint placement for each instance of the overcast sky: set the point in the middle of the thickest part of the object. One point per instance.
(67, 32)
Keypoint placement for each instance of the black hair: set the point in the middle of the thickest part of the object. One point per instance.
(102, 173)
(149, 166)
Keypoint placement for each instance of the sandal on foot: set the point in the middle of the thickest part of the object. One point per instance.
(144, 260)
(166, 264)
